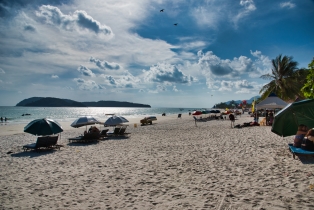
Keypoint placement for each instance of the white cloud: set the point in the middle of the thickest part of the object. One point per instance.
(2, 71)
(105, 64)
(79, 20)
(87, 84)
(85, 71)
(54, 76)
(217, 67)
(248, 7)
(166, 73)
(288, 5)
(174, 88)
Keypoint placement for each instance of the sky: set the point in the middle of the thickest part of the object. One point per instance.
(165, 53)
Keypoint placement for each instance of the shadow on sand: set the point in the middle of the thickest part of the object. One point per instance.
(307, 159)
(34, 153)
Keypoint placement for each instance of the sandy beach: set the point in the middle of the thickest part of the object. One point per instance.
(171, 164)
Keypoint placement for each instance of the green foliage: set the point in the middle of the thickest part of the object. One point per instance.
(286, 80)
(308, 88)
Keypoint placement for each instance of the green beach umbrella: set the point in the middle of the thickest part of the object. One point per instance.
(288, 119)
(43, 127)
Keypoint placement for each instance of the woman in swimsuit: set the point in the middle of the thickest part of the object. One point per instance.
(299, 136)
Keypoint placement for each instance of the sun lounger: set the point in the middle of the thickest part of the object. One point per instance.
(43, 142)
(198, 120)
(87, 138)
(115, 131)
(299, 151)
(118, 131)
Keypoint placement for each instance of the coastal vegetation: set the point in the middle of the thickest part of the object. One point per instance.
(287, 81)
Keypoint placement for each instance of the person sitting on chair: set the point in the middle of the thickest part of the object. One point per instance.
(309, 140)
(299, 136)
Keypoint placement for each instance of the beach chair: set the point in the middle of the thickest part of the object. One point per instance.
(299, 151)
(198, 120)
(53, 142)
(42, 142)
(104, 132)
(122, 131)
(115, 131)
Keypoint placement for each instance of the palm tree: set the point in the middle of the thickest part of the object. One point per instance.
(285, 79)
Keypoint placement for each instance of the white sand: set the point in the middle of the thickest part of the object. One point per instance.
(171, 164)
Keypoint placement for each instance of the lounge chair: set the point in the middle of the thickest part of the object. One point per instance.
(115, 131)
(46, 142)
(103, 133)
(299, 151)
(87, 138)
(122, 131)
(198, 120)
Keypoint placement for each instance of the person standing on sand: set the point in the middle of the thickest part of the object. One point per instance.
(231, 117)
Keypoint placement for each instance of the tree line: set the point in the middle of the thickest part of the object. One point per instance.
(287, 81)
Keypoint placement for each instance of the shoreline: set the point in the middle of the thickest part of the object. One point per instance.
(12, 129)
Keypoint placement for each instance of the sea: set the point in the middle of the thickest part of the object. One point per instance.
(24, 115)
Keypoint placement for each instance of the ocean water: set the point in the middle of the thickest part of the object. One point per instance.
(60, 114)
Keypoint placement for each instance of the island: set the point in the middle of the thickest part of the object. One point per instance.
(57, 102)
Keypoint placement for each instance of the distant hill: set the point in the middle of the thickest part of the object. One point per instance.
(249, 101)
(114, 104)
(29, 100)
(57, 102)
(51, 102)
(228, 104)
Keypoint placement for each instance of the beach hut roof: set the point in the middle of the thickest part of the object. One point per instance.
(271, 102)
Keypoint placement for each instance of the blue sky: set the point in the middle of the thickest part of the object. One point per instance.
(131, 51)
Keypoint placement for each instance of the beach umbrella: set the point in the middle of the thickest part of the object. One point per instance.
(84, 121)
(43, 127)
(197, 113)
(288, 119)
(115, 120)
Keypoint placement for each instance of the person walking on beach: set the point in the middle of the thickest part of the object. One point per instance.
(231, 117)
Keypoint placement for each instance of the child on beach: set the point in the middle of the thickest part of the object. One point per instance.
(299, 136)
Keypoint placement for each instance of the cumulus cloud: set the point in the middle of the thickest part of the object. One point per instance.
(240, 86)
(87, 85)
(29, 28)
(288, 5)
(161, 88)
(85, 71)
(219, 67)
(166, 73)
(174, 88)
(54, 76)
(127, 80)
(2, 71)
(105, 64)
(262, 64)
(79, 20)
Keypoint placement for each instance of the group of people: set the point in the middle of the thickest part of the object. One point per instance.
(92, 129)
(3, 119)
(304, 138)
